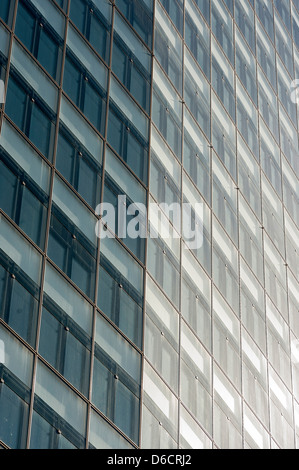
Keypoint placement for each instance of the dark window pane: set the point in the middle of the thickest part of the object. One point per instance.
(126, 411)
(13, 418)
(139, 16)
(40, 130)
(76, 363)
(115, 132)
(4, 9)
(23, 313)
(139, 88)
(71, 257)
(48, 53)
(81, 171)
(45, 436)
(89, 183)
(120, 307)
(71, 81)
(136, 156)
(41, 433)
(101, 377)
(93, 107)
(49, 338)
(65, 158)
(3, 275)
(78, 14)
(106, 293)
(33, 217)
(8, 190)
(130, 318)
(25, 25)
(57, 247)
(15, 105)
(119, 62)
(83, 270)
(64, 352)
(98, 36)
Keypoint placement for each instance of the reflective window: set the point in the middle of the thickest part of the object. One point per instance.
(72, 252)
(30, 114)
(39, 37)
(131, 62)
(116, 379)
(140, 14)
(93, 20)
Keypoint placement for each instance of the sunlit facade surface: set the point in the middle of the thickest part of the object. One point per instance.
(119, 342)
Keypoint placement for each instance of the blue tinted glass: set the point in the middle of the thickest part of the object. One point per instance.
(23, 313)
(99, 37)
(63, 350)
(65, 158)
(4, 9)
(119, 306)
(175, 10)
(94, 107)
(33, 216)
(140, 17)
(40, 130)
(92, 24)
(115, 130)
(81, 171)
(15, 105)
(127, 411)
(119, 62)
(204, 6)
(89, 182)
(13, 417)
(25, 25)
(48, 53)
(45, 436)
(72, 257)
(8, 189)
(72, 81)
(78, 14)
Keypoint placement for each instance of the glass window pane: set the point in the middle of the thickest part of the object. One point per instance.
(25, 26)
(15, 105)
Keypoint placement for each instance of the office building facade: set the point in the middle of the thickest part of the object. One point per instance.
(125, 342)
